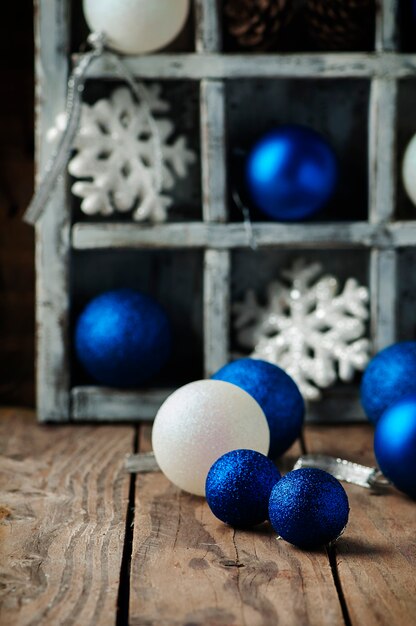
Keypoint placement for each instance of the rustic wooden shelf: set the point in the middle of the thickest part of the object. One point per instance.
(82, 539)
(381, 237)
(94, 236)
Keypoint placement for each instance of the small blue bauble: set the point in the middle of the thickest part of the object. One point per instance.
(238, 487)
(309, 508)
(395, 444)
(291, 173)
(390, 376)
(276, 393)
(123, 338)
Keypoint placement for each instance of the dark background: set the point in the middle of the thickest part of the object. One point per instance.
(16, 186)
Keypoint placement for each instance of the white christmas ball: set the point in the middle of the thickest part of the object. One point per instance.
(199, 423)
(137, 26)
(409, 170)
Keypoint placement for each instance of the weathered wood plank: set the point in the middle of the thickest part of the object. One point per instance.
(189, 568)
(376, 557)
(217, 268)
(234, 66)
(383, 297)
(61, 544)
(382, 149)
(52, 232)
(87, 236)
(207, 26)
(91, 403)
(387, 25)
(213, 146)
(113, 405)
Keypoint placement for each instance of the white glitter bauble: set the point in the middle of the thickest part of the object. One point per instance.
(137, 26)
(409, 170)
(199, 423)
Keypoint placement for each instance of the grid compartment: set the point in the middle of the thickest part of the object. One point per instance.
(406, 129)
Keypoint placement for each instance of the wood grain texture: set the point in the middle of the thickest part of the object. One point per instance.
(52, 232)
(88, 236)
(217, 268)
(61, 545)
(234, 66)
(376, 557)
(208, 35)
(189, 568)
(383, 297)
(387, 25)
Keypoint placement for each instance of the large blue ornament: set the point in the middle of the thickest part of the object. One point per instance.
(395, 444)
(276, 393)
(390, 376)
(308, 508)
(291, 173)
(238, 487)
(123, 338)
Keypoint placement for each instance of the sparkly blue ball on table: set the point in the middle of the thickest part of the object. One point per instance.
(291, 173)
(238, 487)
(275, 392)
(395, 444)
(308, 508)
(390, 376)
(123, 338)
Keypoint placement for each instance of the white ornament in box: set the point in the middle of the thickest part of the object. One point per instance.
(409, 169)
(310, 328)
(137, 26)
(116, 158)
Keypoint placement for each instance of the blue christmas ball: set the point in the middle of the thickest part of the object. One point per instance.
(238, 487)
(395, 444)
(276, 393)
(291, 173)
(308, 508)
(123, 338)
(390, 376)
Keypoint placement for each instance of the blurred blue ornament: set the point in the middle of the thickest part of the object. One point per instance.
(238, 487)
(395, 444)
(291, 173)
(276, 393)
(123, 338)
(308, 508)
(390, 376)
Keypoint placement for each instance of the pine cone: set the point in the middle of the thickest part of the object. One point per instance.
(255, 24)
(341, 24)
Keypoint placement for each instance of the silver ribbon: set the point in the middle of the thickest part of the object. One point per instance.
(76, 83)
(354, 473)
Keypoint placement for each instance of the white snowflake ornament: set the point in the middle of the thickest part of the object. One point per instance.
(125, 159)
(310, 328)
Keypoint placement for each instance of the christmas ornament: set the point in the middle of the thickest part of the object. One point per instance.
(137, 26)
(276, 393)
(308, 327)
(255, 24)
(308, 508)
(116, 158)
(291, 173)
(200, 422)
(395, 444)
(238, 487)
(389, 377)
(340, 24)
(123, 338)
(409, 170)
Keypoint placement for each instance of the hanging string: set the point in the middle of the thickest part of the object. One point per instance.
(76, 84)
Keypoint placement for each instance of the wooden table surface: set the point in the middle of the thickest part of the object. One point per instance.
(83, 542)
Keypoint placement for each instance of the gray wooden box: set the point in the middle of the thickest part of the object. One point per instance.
(371, 94)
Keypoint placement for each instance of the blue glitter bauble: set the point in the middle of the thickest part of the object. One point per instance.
(123, 338)
(291, 173)
(238, 487)
(390, 376)
(276, 393)
(309, 508)
(395, 444)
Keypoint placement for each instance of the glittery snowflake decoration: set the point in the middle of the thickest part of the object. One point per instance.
(118, 151)
(308, 326)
